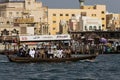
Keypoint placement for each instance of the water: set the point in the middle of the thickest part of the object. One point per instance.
(104, 67)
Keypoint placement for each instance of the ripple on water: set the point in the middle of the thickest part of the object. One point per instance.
(105, 67)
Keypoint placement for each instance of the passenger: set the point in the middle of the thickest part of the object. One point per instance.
(42, 53)
(37, 52)
(30, 50)
(27, 53)
(64, 52)
(60, 53)
(50, 53)
(55, 53)
(46, 52)
(68, 53)
(22, 52)
(32, 53)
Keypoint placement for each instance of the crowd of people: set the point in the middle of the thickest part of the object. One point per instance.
(92, 48)
(57, 51)
(50, 52)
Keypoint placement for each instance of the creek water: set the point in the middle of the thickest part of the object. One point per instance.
(104, 67)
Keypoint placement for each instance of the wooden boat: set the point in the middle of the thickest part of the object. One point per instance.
(14, 58)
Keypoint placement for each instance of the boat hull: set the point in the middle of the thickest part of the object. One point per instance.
(35, 60)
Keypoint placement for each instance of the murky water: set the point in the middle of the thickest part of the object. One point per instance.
(104, 67)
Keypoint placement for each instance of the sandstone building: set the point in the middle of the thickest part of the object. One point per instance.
(30, 17)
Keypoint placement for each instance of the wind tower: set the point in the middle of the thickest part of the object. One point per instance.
(81, 2)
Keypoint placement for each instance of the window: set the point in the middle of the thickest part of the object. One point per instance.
(29, 3)
(103, 18)
(103, 25)
(102, 12)
(54, 14)
(85, 27)
(93, 14)
(53, 28)
(17, 13)
(99, 27)
(61, 14)
(67, 14)
(73, 14)
(83, 14)
(54, 21)
(94, 27)
(90, 28)
(8, 22)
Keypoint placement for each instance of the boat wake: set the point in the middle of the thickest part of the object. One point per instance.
(88, 60)
(4, 61)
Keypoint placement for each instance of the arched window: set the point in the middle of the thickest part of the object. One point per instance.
(90, 27)
(15, 31)
(99, 27)
(85, 27)
(5, 32)
(95, 27)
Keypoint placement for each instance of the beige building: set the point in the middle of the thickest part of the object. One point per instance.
(30, 13)
(23, 14)
(56, 15)
(25, 8)
(113, 21)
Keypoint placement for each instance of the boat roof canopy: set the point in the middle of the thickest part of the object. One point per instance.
(45, 37)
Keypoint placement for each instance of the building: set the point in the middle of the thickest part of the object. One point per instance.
(74, 23)
(31, 13)
(56, 15)
(90, 24)
(26, 8)
(84, 23)
(23, 14)
(113, 21)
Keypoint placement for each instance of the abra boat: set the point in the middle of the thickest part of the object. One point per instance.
(14, 58)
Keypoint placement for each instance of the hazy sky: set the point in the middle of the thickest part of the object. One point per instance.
(112, 5)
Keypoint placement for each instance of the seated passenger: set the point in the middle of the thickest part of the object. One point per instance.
(21, 52)
(50, 53)
(37, 52)
(42, 53)
(32, 53)
(64, 52)
(68, 54)
(55, 53)
(60, 53)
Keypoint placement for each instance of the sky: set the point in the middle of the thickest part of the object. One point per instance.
(113, 6)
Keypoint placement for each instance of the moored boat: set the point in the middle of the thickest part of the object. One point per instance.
(14, 58)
